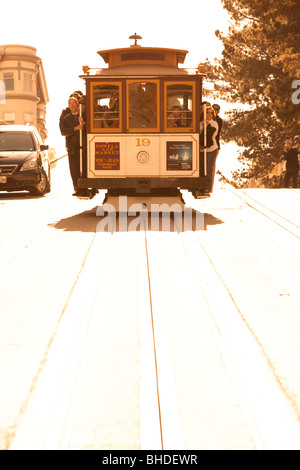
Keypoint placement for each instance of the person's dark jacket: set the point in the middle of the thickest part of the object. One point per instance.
(63, 114)
(291, 157)
(67, 123)
(220, 124)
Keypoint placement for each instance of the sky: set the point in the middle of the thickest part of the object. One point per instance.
(67, 35)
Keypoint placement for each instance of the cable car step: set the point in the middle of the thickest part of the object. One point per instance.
(140, 203)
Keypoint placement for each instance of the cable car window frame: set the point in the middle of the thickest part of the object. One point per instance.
(143, 129)
(105, 130)
(179, 129)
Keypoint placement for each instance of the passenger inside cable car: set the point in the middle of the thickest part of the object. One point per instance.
(175, 117)
(106, 106)
(108, 117)
(142, 105)
(180, 105)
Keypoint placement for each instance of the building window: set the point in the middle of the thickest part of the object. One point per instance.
(28, 118)
(2, 92)
(9, 81)
(9, 118)
(28, 82)
(41, 114)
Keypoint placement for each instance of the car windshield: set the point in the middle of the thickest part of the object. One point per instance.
(16, 141)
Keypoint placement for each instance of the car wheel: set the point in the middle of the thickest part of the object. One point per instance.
(42, 187)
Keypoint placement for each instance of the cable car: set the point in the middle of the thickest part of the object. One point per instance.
(142, 125)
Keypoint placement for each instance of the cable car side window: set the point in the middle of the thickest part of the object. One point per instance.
(105, 107)
(142, 104)
(179, 107)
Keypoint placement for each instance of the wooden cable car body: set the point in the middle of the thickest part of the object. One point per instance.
(142, 124)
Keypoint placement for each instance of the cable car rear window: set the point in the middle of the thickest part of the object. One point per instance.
(180, 106)
(106, 107)
(142, 105)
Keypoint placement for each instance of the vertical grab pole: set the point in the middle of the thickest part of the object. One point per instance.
(80, 140)
(205, 140)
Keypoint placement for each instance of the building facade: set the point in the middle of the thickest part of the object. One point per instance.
(23, 88)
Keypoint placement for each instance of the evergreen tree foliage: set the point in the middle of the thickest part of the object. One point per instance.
(260, 68)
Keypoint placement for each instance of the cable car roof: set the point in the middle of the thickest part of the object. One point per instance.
(137, 60)
(138, 55)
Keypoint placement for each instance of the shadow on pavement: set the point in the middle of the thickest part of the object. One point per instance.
(88, 221)
(15, 195)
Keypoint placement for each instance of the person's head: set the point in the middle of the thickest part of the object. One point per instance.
(77, 94)
(288, 144)
(175, 114)
(216, 108)
(73, 105)
(210, 114)
(176, 111)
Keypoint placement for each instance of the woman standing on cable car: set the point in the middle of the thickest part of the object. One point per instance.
(211, 143)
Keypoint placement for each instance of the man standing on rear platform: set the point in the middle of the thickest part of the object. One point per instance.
(71, 124)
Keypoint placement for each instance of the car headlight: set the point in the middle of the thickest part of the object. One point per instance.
(29, 165)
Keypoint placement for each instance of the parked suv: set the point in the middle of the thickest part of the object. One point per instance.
(24, 160)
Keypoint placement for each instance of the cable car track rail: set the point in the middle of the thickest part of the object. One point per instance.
(275, 424)
(44, 419)
(170, 427)
(46, 423)
(283, 222)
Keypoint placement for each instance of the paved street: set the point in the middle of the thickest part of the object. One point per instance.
(150, 338)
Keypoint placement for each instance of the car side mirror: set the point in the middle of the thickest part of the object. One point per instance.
(44, 147)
